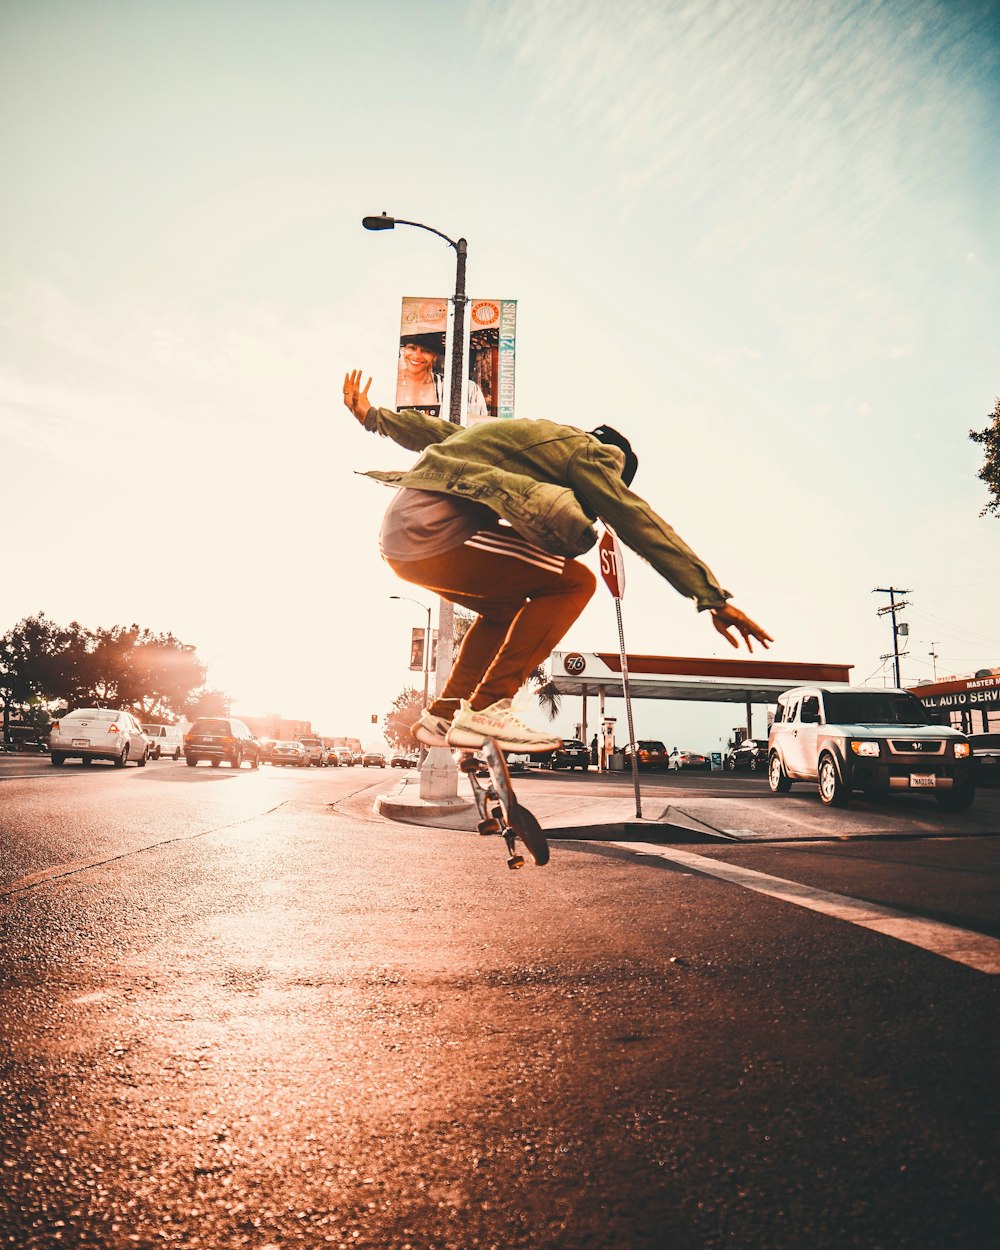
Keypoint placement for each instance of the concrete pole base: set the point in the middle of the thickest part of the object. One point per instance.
(438, 776)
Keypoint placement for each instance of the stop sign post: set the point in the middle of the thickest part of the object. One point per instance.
(613, 573)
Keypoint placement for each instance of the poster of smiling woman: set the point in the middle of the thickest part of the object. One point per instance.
(422, 369)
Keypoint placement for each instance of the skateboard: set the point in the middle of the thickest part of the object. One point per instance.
(499, 810)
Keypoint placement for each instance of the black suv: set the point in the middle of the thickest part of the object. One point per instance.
(218, 738)
(572, 754)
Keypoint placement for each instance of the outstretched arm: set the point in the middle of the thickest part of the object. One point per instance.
(412, 430)
(728, 617)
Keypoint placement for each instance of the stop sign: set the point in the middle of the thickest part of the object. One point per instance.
(612, 568)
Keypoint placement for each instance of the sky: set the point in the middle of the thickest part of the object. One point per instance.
(760, 239)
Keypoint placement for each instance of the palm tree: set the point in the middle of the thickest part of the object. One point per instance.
(546, 692)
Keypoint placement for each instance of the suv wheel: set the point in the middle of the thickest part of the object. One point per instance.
(832, 789)
(777, 778)
(236, 760)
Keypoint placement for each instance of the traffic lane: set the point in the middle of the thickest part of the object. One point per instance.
(954, 881)
(313, 1027)
(58, 817)
(743, 806)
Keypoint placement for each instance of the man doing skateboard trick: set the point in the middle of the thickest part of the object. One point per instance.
(492, 517)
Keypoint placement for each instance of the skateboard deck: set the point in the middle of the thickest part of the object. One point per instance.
(499, 810)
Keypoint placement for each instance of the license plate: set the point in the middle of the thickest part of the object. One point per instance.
(81, 742)
(927, 780)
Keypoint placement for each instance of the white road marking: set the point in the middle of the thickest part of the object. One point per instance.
(963, 946)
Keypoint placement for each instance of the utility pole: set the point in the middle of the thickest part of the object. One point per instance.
(934, 656)
(891, 609)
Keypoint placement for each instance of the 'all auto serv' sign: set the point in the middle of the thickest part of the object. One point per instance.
(964, 695)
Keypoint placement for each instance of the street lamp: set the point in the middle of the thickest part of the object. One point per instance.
(458, 337)
(446, 615)
(427, 641)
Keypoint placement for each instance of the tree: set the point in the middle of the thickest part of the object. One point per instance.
(406, 709)
(36, 658)
(152, 675)
(546, 692)
(990, 472)
(209, 703)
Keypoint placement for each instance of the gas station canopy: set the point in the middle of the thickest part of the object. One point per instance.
(685, 677)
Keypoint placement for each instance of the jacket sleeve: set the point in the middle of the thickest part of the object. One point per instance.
(412, 430)
(597, 484)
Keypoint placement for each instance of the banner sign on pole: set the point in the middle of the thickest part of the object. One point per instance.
(417, 649)
(424, 360)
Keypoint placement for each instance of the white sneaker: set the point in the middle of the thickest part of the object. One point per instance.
(471, 729)
(430, 730)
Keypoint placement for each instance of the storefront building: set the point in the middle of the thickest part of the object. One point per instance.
(971, 704)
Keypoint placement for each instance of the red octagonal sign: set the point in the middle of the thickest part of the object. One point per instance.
(612, 568)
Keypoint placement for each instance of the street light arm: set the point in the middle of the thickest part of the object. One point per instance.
(388, 223)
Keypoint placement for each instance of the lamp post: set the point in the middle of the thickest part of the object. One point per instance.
(427, 641)
(446, 613)
(458, 338)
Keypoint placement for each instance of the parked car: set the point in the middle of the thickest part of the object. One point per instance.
(289, 755)
(332, 758)
(985, 758)
(316, 751)
(572, 754)
(218, 738)
(650, 754)
(346, 756)
(90, 733)
(751, 753)
(518, 761)
(266, 747)
(845, 738)
(404, 759)
(373, 759)
(688, 759)
(166, 740)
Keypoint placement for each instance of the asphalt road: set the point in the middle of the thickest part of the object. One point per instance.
(240, 1009)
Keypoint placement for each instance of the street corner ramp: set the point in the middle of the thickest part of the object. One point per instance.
(607, 820)
(404, 804)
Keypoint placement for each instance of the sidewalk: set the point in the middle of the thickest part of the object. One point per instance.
(796, 817)
(585, 816)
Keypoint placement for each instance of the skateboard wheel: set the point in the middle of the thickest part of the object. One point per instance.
(515, 861)
(489, 826)
(468, 764)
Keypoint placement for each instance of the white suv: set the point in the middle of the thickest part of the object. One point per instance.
(846, 738)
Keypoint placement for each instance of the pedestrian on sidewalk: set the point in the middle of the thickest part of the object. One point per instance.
(492, 517)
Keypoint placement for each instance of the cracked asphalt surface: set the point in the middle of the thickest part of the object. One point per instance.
(242, 1010)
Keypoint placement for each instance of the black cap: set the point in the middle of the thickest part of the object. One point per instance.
(432, 342)
(606, 434)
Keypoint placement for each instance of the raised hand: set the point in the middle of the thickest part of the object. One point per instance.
(355, 398)
(730, 617)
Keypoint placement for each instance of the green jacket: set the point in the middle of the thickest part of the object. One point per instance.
(549, 481)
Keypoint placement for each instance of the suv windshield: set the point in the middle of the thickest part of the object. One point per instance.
(650, 744)
(873, 707)
(210, 727)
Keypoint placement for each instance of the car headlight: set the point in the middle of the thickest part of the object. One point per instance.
(962, 750)
(865, 747)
